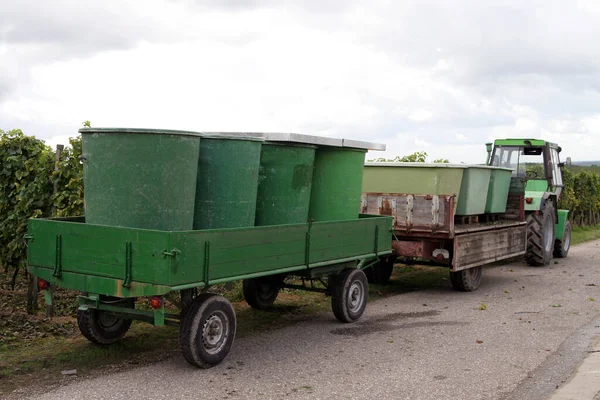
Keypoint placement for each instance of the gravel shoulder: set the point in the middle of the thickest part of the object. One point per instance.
(520, 335)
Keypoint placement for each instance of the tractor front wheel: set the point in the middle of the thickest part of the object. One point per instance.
(540, 236)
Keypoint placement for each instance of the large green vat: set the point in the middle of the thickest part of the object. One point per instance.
(473, 190)
(284, 183)
(140, 178)
(413, 178)
(227, 182)
(497, 195)
(336, 184)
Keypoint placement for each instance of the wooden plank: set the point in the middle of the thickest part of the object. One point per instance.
(484, 247)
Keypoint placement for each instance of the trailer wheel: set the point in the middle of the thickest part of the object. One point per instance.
(561, 247)
(207, 331)
(350, 294)
(260, 293)
(102, 328)
(466, 280)
(540, 237)
(381, 272)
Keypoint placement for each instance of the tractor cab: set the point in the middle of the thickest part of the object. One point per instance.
(536, 163)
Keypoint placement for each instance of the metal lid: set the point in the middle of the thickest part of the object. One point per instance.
(231, 137)
(309, 139)
(415, 165)
(139, 131)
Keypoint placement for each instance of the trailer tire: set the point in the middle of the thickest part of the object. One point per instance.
(207, 331)
(467, 280)
(561, 247)
(540, 237)
(101, 328)
(260, 293)
(349, 295)
(381, 272)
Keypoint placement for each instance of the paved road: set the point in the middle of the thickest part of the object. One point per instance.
(433, 344)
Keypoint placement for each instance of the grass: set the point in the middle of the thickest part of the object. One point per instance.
(45, 357)
(585, 234)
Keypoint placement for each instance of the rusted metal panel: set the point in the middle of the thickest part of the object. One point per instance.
(482, 246)
(414, 215)
(421, 248)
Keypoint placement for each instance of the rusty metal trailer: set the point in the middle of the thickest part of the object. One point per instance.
(426, 228)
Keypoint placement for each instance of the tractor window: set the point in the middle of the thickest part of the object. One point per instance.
(556, 172)
(524, 161)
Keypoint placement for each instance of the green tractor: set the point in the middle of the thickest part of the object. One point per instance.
(537, 176)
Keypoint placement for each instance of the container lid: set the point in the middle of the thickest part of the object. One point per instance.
(415, 165)
(309, 139)
(231, 137)
(358, 144)
(139, 131)
(289, 144)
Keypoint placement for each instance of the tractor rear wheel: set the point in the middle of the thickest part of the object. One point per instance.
(540, 236)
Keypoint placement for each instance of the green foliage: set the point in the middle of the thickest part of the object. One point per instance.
(30, 187)
(25, 191)
(68, 179)
(581, 195)
(417, 156)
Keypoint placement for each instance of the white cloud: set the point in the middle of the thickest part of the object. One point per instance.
(411, 74)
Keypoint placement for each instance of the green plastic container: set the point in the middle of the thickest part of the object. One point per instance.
(413, 178)
(284, 183)
(140, 178)
(473, 190)
(497, 195)
(336, 184)
(227, 182)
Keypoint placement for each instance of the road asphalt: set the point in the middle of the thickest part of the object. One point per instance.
(526, 333)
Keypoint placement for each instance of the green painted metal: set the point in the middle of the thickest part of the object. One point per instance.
(227, 182)
(284, 184)
(534, 190)
(520, 142)
(94, 256)
(536, 185)
(563, 215)
(140, 178)
(413, 178)
(473, 190)
(336, 184)
(499, 186)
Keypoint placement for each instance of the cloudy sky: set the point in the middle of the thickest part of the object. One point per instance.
(440, 76)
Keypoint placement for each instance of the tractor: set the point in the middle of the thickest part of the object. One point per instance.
(537, 174)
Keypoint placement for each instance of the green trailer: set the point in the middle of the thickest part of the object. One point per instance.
(172, 232)
(118, 268)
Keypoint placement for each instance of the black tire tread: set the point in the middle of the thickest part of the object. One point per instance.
(536, 254)
(250, 289)
(462, 281)
(86, 321)
(381, 272)
(338, 298)
(189, 330)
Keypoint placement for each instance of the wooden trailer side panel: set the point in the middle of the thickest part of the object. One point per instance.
(483, 247)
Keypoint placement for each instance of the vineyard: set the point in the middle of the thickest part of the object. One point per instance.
(38, 181)
(35, 181)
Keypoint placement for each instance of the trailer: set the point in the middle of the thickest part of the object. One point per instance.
(171, 214)
(431, 227)
(115, 266)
